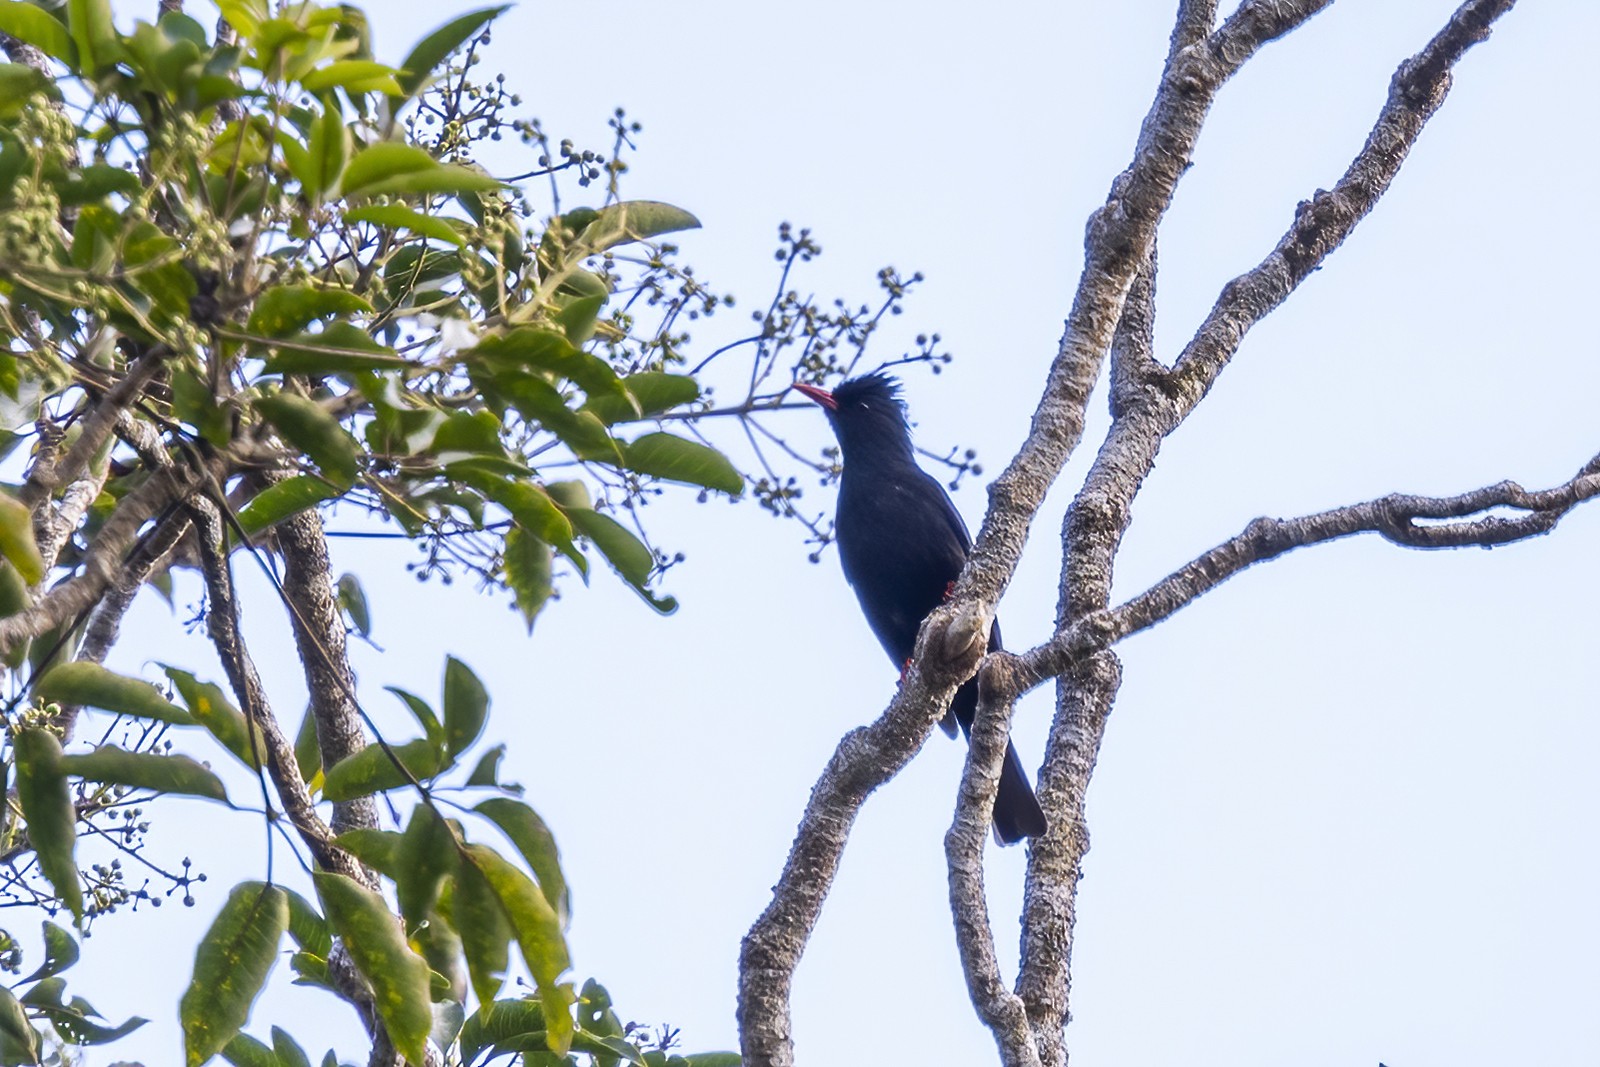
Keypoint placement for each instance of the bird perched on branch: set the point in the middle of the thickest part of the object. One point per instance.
(903, 544)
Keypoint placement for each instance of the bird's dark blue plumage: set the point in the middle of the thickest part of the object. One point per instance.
(902, 543)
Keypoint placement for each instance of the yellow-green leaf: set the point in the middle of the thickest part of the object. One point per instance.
(398, 976)
(16, 539)
(230, 967)
(47, 806)
(92, 685)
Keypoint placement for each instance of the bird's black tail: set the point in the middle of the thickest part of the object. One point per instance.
(1016, 810)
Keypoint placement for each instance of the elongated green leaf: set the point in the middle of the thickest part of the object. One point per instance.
(354, 76)
(33, 25)
(47, 806)
(652, 391)
(634, 220)
(470, 904)
(91, 685)
(713, 1059)
(627, 555)
(282, 499)
(400, 217)
(427, 855)
(246, 1051)
(539, 937)
(390, 167)
(89, 22)
(422, 713)
(308, 426)
(341, 348)
(77, 1028)
(678, 459)
(466, 706)
(246, 16)
(60, 952)
(307, 926)
(537, 844)
(536, 347)
(372, 771)
(284, 309)
(529, 504)
(437, 46)
(19, 1041)
(398, 976)
(353, 599)
(213, 711)
(327, 149)
(378, 849)
(230, 967)
(145, 770)
(16, 539)
(527, 564)
(19, 82)
(498, 1022)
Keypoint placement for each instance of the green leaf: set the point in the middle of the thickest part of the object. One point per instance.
(354, 601)
(60, 952)
(76, 1028)
(98, 180)
(577, 319)
(327, 150)
(634, 220)
(246, 1051)
(400, 217)
(194, 402)
(398, 976)
(437, 46)
(213, 711)
(341, 348)
(713, 1059)
(16, 539)
(307, 926)
(422, 713)
(91, 685)
(426, 857)
(288, 1050)
(475, 913)
(372, 771)
(282, 499)
(390, 167)
(19, 1042)
(678, 459)
(527, 572)
(89, 22)
(230, 967)
(145, 770)
(466, 706)
(538, 933)
(533, 839)
(653, 392)
(246, 16)
(47, 806)
(627, 555)
(487, 772)
(308, 426)
(529, 504)
(542, 349)
(18, 83)
(354, 76)
(307, 748)
(499, 1021)
(378, 849)
(284, 309)
(32, 24)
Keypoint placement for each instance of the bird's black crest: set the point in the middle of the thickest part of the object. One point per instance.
(869, 390)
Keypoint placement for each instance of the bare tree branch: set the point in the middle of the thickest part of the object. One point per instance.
(1001, 1010)
(947, 652)
(1147, 405)
(320, 637)
(1118, 241)
(104, 562)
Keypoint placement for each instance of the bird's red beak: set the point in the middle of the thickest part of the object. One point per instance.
(821, 396)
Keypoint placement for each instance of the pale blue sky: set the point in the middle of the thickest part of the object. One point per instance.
(1346, 807)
